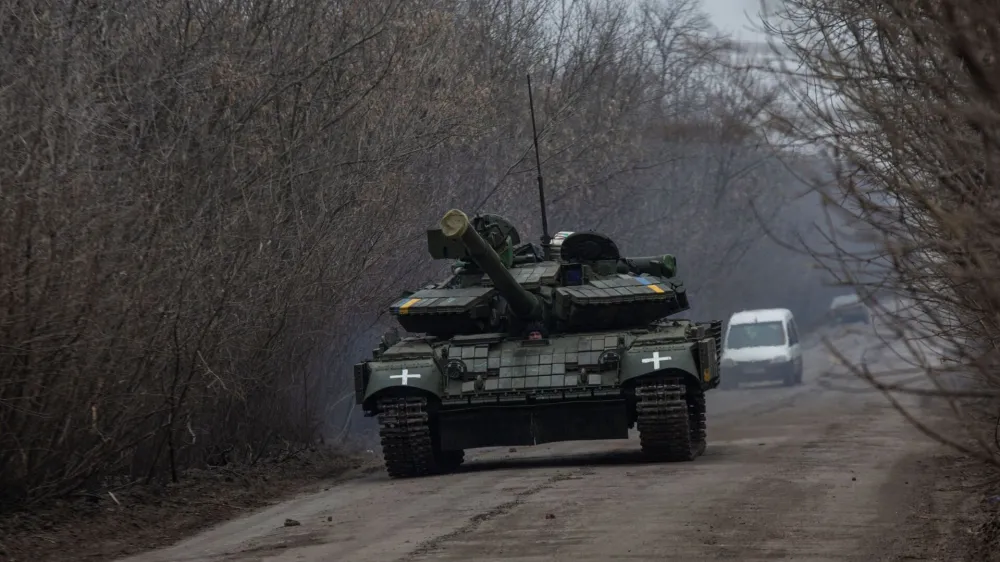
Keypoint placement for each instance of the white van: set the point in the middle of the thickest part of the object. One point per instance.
(761, 345)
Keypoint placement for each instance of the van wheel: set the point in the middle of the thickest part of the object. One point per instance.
(791, 377)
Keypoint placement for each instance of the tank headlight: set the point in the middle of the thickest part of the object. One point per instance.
(609, 360)
(456, 369)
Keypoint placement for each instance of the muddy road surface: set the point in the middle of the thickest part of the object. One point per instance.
(800, 473)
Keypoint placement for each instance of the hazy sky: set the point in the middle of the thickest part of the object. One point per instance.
(735, 17)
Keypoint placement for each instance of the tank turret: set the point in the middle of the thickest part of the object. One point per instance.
(455, 225)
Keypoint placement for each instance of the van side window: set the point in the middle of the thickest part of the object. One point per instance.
(793, 333)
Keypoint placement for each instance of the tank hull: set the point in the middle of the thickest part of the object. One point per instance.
(435, 400)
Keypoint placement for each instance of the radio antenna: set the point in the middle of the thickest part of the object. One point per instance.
(538, 164)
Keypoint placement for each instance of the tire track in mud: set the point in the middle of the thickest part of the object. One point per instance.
(789, 508)
(429, 546)
(772, 402)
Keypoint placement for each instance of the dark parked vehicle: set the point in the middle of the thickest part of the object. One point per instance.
(847, 309)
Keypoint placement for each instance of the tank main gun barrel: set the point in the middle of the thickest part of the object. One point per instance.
(455, 225)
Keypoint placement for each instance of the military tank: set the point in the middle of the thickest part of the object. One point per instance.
(526, 344)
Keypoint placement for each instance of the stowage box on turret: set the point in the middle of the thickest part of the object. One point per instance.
(525, 345)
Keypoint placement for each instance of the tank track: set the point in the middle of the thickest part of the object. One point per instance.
(671, 422)
(407, 440)
(697, 413)
(407, 447)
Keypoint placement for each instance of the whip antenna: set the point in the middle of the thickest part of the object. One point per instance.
(538, 165)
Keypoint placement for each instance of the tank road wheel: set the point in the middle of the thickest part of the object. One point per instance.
(404, 426)
(671, 422)
(790, 378)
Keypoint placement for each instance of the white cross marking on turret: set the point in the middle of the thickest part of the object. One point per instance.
(655, 360)
(406, 375)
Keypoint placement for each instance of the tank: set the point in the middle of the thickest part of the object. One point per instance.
(526, 344)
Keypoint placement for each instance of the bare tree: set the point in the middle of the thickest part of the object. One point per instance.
(901, 96)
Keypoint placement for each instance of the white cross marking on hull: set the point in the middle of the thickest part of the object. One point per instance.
(405, 376)
(655, 360)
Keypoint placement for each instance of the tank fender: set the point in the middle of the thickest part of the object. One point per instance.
(421, 375)
(645, 360)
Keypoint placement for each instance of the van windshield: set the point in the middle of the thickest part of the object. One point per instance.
(760, 334)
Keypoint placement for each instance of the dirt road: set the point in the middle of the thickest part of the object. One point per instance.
(801, 473)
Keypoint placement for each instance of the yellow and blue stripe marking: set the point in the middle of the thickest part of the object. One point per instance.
(652, 286)
(404, 308)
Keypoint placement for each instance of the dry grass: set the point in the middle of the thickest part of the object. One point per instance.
(137, 518)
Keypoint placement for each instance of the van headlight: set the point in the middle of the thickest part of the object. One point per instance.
(727, 362)
(781, 359)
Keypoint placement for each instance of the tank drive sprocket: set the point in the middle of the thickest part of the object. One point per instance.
(671, 421)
